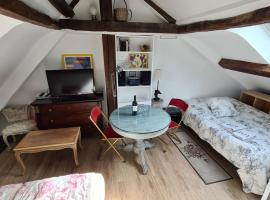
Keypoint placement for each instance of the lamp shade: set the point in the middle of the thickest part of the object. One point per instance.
(157, 74)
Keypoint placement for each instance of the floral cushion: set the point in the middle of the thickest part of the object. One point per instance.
(20, 127)
(88, 186)
(14, 114)
(222, 107)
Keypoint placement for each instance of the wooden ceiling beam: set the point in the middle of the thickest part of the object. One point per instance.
(246, 67)
(161, 12)
(112, 26)
(256, 17)
(260, 16)
(63, 7)
(74, 3)
(18, 10)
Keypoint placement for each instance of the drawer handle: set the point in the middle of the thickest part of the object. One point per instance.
(51, 120)
(50, 110)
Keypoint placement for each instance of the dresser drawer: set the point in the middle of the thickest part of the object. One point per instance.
(62, 121)
(66, 108)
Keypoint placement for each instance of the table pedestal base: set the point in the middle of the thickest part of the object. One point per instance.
(139, 147)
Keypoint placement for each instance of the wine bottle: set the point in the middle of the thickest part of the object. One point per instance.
(134, 106)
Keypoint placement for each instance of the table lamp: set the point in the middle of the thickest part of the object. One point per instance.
(157, 76)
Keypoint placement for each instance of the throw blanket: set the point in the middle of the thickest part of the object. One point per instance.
(89, 186)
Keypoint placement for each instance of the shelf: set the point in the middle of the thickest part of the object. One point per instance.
(136, 69)
(138, 86)
(128, 52)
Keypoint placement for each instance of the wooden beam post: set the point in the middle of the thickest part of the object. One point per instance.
(18, 10)
(161, 12)
(63, 7)
(109, 56)
(246, 67)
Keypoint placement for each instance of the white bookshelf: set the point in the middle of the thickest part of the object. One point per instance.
(126, 92)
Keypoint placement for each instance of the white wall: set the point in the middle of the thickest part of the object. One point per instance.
(226, 44)
(14, 46)
(187, 74)
(71, 43)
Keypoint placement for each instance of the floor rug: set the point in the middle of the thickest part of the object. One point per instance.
(206, 167)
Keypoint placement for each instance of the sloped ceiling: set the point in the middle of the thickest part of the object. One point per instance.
(184, 11)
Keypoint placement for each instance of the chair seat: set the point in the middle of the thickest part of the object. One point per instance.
(19, 127)
(173, 124)
(110, 133)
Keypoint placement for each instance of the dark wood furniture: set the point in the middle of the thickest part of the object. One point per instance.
(63, 114)
(256, 99)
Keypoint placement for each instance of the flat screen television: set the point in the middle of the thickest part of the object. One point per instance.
(64, 83)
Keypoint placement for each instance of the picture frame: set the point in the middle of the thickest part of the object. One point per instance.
(138, 60)
(78, 61)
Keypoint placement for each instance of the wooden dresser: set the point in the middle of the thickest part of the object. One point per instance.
(65, 114)
(256, 99)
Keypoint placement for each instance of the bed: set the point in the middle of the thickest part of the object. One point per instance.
(243, 138)
(88, 186)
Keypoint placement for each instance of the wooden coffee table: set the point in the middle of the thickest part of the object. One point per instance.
(48, 140)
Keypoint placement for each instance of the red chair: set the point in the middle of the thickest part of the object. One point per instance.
(173, 127)
(108, 134)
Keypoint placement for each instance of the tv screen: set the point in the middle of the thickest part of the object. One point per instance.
(70, 82)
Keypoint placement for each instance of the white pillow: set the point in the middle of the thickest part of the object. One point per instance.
(222, 107)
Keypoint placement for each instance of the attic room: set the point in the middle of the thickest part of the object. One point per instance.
(135, 99)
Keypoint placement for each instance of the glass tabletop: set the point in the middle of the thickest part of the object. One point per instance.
(147, 120)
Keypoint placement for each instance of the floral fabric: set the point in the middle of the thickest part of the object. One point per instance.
(20, 127)
(222, 107)
(243, 139)
(89, 186)
(14, 114)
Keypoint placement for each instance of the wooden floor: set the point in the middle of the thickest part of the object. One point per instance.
(170, 177)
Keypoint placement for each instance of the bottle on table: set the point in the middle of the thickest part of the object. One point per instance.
(134, 106)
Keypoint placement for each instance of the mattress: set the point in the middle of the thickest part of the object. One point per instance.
(244, 139)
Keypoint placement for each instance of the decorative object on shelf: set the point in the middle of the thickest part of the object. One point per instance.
(134, 106)
(78, 61)
(157, 76)
(138, 60)
(144, 48)
(121, 14)
(133, 80)
(145, 77)
(93, 12)
(124, 44)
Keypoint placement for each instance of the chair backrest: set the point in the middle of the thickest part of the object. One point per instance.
(96, 113)
(180, 104)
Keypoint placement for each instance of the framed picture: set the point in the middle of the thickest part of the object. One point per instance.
(138, 60)
(77, 61)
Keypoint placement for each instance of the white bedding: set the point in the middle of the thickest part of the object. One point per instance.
(243, 139)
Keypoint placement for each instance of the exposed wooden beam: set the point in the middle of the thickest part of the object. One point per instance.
(63, 7)
(246, 67)
(259, 16)
(106, 10)
(134, 27)
(160, 11)
(18, 10)
(74, 3)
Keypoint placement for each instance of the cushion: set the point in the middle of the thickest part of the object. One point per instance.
(222, 107)
(173, 124)
(20, 127)
(14, 114)
(110, 133)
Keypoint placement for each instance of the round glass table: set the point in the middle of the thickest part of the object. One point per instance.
(149, 122)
